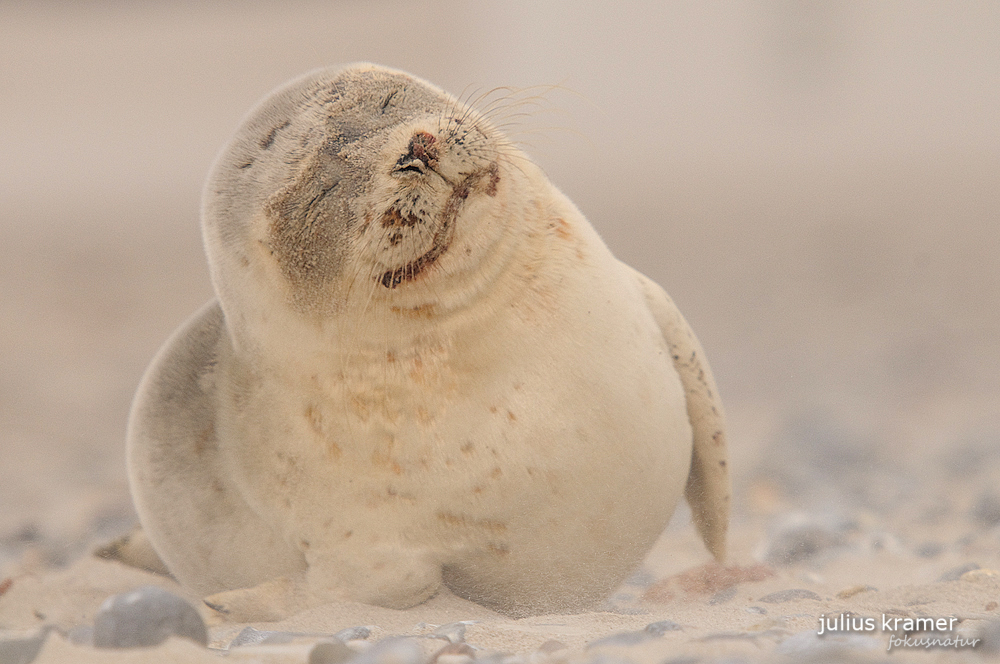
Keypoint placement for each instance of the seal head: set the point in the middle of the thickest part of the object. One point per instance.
(345, 180)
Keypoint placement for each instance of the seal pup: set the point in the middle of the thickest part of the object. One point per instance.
(424, 369)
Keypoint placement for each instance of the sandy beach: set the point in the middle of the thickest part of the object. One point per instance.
(817, 191)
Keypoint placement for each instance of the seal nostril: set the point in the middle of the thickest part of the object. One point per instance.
(422, 148)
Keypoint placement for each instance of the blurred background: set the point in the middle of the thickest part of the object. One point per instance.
(817, 184)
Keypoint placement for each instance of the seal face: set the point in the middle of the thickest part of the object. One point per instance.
(359, 178)
(424, 368)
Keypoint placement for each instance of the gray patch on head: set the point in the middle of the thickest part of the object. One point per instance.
(306, 224)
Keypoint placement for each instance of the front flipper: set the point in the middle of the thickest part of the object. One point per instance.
(393, 578)
(270, 601)
(195, 517)
(708, 488)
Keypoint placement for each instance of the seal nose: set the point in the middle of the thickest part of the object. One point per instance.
(422, 147)
(422, 153)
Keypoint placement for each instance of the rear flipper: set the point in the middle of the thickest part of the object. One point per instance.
(134, 550)
(708, 488)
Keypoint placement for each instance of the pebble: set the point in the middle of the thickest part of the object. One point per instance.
(145, 617)
(613, 606)
(332, 651)
(955, 573)
(798, 538)
(756, 609)
(783, 596)
(929, 550)
(250, 636)
(23, 651)
(452, 632)
(353, 634)
(990, 638)
(986, 511)
(723, 596)
(662, 627)
(255, 637)
(979, 575)
(624, 639)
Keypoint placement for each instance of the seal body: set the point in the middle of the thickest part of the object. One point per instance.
(424, 367)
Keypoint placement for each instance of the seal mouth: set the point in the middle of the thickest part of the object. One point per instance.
(445, 231)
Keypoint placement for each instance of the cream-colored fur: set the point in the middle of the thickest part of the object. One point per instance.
(424, 367)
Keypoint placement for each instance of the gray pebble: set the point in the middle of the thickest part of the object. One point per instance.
(986, 511)
(662, 627)
(145, 617)
(990, 638)
(255, 637)
(756, 609)
(623, 604)
(723, 596)
(929, 550)
(353, 634)
(392, 650)
(799, 540)
(452, 632)
(333, 651)
(23, 651)
(955, 573)
(783, 596)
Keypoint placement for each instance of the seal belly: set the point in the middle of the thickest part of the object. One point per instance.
(537, 472)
